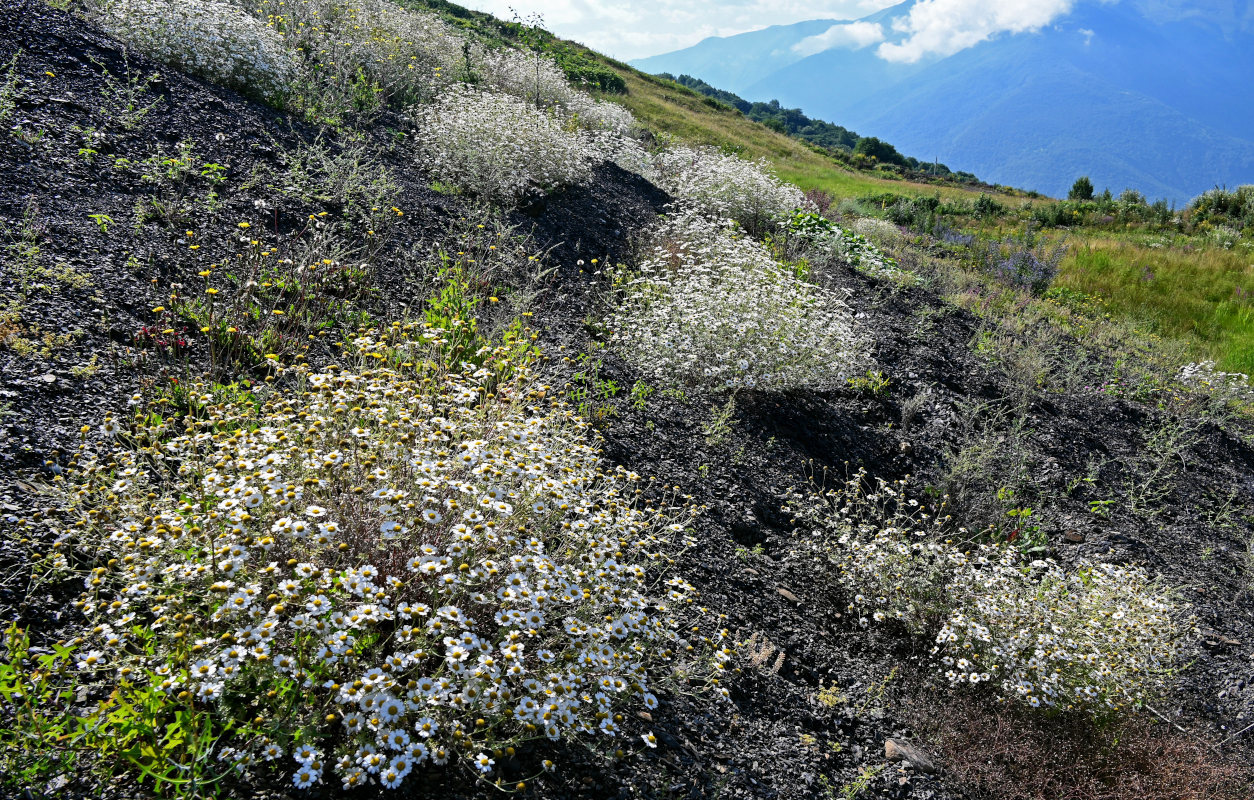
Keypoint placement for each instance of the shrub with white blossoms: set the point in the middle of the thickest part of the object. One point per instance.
(210, 39)
(1097, 638)
(497, 146)
(823, 239)
(624, 151)
(602, 115)
(537, 79)
(724, 186)
(359, 53)
(527, 75)
(711, 308)
(384, 569)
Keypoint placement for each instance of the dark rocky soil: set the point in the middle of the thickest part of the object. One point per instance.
(777, 740)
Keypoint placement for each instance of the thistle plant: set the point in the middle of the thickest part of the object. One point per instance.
(382, 568)
(1096, 639)
(709, 307)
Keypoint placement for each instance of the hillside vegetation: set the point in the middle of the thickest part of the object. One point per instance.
(1138, 93)
(398, 401)
(1200, 293)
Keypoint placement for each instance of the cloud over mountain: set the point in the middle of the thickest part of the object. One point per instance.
(944, 27)
(645, 27)
(852, 35)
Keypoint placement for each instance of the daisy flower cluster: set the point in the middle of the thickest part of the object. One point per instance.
(823, 239)
(497, 146)
(1097, 639)
(213, 40)
(725, 186)
(624, 150)
(382, 568)
(328, 57)
(710, 307)
(1204, 375)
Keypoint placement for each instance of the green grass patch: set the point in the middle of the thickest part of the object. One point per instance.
(1205, 296)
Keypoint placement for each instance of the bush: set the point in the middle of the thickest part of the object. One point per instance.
(881, 151)
(724, 186)
(602, 115)
(822, 240)
(1059, 215)
(383, 567)
(209, 39)
(1082, 189)
(624, 151)
(496, 146)
(363, 55)
(1027, 262)
(1097, 639)
(986, 206)
(711, 309)
(537, 79)
(1220, 206)
(878, 231)
(582, 70)
(527, 75)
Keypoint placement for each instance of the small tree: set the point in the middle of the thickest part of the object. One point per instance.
(879, 150)
(1082, 189)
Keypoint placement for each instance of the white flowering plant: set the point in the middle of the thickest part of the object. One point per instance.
(536, 78)
(1097, 639)
(625, 151)
(709, 307)
(497, 146)
(529, 76)
(213, 40)
(821, 239)
(1228, 385)
(362, 55)
(382, 568)
(725, 186)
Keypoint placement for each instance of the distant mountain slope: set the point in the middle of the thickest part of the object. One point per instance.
(1132, 93)
(737, 61)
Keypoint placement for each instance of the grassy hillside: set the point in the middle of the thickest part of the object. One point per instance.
(667, 107)
(670, 108)
(1193, 290)
(380, 410)
(1200, 295)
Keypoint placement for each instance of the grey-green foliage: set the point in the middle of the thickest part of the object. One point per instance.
(349, 175)
(11, 88)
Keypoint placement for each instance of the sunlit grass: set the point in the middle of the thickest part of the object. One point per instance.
(687, 116)
(1205, 296)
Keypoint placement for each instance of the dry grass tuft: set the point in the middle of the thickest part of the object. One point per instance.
(1002, 752)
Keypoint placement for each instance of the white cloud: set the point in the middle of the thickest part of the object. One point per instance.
(944, 27)
(642, 28)
(853, 36)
